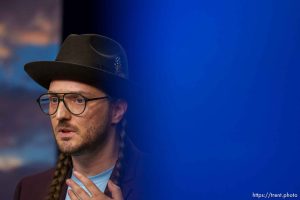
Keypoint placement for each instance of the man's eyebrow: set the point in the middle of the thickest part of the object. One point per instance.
(77, 92)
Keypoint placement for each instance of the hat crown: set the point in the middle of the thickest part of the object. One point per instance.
(94, 51)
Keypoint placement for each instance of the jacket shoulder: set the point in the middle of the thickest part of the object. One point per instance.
(34, 187)
(138, 171)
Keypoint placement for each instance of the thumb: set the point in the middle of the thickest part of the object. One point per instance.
(115, 190)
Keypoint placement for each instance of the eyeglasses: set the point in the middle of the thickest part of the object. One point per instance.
(75, 103)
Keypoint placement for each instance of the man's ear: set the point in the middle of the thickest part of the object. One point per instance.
(119, 109)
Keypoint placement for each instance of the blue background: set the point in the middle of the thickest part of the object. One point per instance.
(222, 112)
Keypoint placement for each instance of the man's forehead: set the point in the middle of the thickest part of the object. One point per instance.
(65, 86)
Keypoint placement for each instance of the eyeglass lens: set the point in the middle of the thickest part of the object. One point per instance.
(49, 103)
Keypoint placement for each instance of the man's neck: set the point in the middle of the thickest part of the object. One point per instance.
(99, 160)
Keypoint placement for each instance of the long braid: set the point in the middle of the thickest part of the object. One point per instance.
(62, 167)
(118, 171)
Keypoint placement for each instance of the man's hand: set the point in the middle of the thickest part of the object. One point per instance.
(78, 193)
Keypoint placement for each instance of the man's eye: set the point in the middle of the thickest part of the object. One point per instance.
(79, 100)
(53, 99)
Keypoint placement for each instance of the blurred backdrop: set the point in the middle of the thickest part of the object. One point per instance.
(221, 114)
(29, 30)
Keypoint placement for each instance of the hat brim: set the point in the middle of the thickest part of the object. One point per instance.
(43, 72)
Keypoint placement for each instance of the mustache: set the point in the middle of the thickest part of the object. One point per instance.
(65, 125)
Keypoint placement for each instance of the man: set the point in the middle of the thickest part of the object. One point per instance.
(86, 100)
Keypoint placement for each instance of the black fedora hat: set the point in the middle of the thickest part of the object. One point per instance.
(89, 58)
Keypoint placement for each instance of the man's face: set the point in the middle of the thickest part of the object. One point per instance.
(80, 134)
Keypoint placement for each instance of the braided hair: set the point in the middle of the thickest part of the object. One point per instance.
(118, 170)
(64, 165)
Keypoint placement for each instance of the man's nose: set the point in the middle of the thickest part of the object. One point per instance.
(62, 112)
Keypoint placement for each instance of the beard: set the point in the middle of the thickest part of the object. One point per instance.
(93, 139)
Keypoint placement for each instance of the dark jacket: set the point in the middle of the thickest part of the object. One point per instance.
(35, 187)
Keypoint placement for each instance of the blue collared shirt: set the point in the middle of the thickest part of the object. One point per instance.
(100, 180)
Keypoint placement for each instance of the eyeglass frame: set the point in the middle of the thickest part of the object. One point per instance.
(62, 98)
